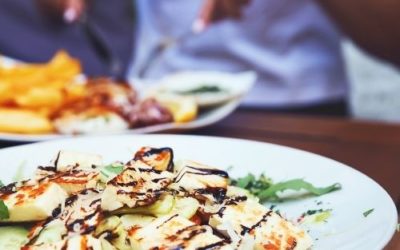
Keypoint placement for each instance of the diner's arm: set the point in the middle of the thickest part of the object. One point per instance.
(372, 24)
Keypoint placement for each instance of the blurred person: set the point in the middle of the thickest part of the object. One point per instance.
(292, 45)
(97, 32)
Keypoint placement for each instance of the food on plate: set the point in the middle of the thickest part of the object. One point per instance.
(150, 202)
(264, 189)
(56, 97)
(207, 90)
(24, 121)
(182, 108)
(32, 201)
(38, 85)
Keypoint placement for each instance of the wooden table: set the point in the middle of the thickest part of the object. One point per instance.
(372, 148)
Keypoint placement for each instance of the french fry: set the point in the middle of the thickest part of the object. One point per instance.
(6, 95)
(36, 91)
(59, 72)
(40, 97)
(23, 121)
(74, 92)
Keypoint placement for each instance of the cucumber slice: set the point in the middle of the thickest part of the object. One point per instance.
(105, 245)
(186, 207)
(108, 225)
(13, 237)
(52, 233)
(161, 207)
(139, 220)
(113, 226)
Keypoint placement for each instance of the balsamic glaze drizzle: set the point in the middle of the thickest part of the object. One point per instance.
(246, 230)
(212, 246)
(208, 171)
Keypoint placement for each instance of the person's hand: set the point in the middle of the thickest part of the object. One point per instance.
(68, 11)
(216, 10)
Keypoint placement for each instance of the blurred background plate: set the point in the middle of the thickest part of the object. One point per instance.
(241, 83)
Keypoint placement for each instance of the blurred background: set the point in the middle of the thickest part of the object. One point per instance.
(304, 52)
(375, 85)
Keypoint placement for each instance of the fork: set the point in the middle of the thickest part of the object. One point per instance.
(157, 52)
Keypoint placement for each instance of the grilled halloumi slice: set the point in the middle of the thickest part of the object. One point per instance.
(138, 185)
(65, 159)
(245, 220)
(73, 171)
(74, 182)
(91, 121)
(201, 181)
(76, 242)
(32, 203)
(80, 214)
(73, 179)
(158, 158)
(175, 232)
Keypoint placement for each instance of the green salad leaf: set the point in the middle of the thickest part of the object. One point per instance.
(202, 89)
(110, 171)
(368, 212)
(115, 169)
(1, 184)
(253, 184)
(4, 214)
(265, 189)
(297, 185)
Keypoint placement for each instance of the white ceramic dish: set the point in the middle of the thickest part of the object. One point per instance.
(347, 228)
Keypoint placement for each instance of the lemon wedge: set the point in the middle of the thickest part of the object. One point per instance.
(183, 108)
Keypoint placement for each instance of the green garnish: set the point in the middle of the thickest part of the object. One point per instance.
(107, 118)
(112, 170)
(295, 184)
(4, 214)
(323, 216)
(312, 212)
(1, 184)
(116, 169)
(252, 184)
(202, 89)
(229, 168)
(318, 215)
(265, 189)
(368, 212)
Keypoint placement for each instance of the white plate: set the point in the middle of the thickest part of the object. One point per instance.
(347, 228)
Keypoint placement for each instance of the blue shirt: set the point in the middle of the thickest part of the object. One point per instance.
(291, 44)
